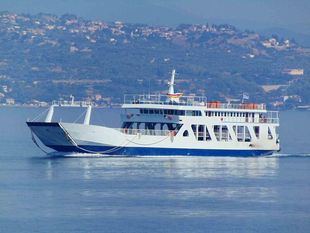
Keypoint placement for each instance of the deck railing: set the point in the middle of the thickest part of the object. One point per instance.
(271, 117)
(130, 131)
(188, 101)
(163, 99)
(69, 103)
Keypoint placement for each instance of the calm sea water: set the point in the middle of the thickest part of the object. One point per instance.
(40, 193)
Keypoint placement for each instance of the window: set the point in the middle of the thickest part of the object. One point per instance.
(270, 137)
(196, 113)
(127, 124)
(172, 112)
(216, 129)
(247, 135)
(185, 133)
(225, 134)
(201, 129)
(256, 131)
(240, 133)
(194, 127)
(208, 137)
(193, 113)
(181, 112)
(201, 132)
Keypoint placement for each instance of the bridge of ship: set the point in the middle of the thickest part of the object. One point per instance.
(189, 105)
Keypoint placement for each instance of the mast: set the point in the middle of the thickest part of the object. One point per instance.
(171, 83)
(175, 97)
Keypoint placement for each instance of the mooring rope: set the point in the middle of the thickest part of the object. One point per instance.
(113, 149)
(116, 148)
(39, 115)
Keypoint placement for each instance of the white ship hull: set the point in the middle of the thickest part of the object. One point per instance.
(71, 137)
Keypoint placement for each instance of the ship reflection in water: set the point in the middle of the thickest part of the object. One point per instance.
(169, 167)
(189, 186)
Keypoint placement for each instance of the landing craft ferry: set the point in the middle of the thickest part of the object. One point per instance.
(170, 124)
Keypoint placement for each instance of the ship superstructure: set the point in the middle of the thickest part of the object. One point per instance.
(169, 124)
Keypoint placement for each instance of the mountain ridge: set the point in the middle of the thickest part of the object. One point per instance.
(45, 57)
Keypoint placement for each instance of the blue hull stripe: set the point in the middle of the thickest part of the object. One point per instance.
(140, 151)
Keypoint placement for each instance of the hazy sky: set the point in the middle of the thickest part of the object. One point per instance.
(252, 14)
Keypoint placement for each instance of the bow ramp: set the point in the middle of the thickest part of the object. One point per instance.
(51, 134)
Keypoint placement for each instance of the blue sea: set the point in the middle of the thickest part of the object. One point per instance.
(46, 193)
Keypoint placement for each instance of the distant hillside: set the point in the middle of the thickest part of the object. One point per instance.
(45, 57)
(301, 38)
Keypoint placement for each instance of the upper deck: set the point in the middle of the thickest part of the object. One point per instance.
(131, 101)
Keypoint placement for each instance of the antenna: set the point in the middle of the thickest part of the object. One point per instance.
(149, 87)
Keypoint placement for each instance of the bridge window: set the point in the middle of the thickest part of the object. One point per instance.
(193, 113)
(180, 112)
